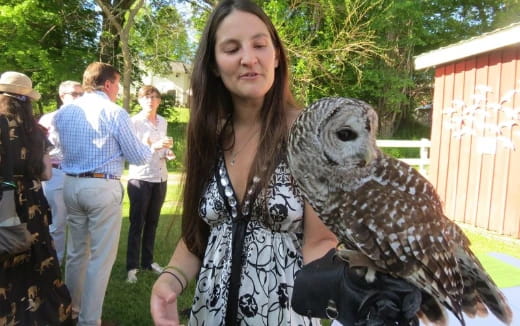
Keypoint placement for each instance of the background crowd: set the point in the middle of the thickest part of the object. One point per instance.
(74, 212)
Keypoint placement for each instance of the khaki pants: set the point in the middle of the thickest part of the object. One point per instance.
(94, 219)
(53, 191)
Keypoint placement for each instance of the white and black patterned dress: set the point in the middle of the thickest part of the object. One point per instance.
(271, 255)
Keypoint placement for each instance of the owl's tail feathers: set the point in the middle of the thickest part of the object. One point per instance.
(432, 313)
(481, 293)
(489, 295)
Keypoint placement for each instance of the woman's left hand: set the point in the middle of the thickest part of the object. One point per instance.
(163, 302)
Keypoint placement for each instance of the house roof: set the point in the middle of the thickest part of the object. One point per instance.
(486, 42)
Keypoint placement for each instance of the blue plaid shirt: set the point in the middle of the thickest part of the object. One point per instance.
(97, 135)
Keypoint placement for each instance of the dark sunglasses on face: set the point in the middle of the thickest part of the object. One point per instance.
(22, 98)
(74, 94)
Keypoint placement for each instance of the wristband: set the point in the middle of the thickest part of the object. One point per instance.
(177, 269)
(176, 277)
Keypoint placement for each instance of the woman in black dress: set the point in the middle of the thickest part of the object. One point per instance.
(32, 291)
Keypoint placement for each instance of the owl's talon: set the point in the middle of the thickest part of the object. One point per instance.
(344, 254)
(370, 275)
(358, 262)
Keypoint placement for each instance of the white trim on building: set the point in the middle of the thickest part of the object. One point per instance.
(499, 38)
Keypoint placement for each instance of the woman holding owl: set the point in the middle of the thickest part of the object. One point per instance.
(246, 229)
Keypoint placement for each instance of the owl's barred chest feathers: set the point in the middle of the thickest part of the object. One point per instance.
(370, 187)
(375, 207)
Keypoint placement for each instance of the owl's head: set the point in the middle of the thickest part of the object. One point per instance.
(332, 139)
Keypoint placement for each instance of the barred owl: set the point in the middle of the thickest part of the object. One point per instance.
(385, 214)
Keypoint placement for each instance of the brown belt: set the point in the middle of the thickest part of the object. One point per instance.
(94, 175)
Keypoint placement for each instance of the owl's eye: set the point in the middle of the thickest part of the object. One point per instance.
(346, 134)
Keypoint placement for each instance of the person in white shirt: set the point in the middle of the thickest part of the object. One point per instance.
(147, 184)
(68, 91)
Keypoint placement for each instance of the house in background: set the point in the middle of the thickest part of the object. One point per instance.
(175, 84)
(475, 139)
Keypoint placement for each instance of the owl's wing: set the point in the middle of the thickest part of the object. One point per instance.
(399, 226)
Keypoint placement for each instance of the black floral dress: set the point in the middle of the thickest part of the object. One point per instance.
(32, 291)
(271, 255)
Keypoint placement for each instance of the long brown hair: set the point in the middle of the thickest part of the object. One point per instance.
(32, 134)
(211, 105)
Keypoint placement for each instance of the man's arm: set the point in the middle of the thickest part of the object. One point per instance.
(133, 149)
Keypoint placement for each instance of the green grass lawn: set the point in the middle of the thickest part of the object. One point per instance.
(485, 243)
(128, 304)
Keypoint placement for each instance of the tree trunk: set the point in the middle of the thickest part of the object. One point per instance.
(127, 71)
(122, 26)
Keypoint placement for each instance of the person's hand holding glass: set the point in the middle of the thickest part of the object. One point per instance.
(170, 155)
(164, 142)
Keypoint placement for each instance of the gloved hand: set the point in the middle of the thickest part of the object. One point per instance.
(328, 288)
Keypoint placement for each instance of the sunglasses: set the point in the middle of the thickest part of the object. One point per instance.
(74, 94)
(22, 98)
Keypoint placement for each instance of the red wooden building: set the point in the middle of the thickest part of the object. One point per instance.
(475, 153)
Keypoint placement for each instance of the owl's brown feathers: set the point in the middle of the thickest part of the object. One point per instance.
(386, 210)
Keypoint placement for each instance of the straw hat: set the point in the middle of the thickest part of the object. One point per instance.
(18, 83)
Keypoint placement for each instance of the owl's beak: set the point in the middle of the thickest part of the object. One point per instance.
(366, 157)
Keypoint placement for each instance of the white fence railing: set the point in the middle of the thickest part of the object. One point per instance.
(424, 152)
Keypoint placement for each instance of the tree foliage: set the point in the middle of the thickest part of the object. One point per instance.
(120, 15)
(160, 36)
(359, 48)
(328, 41)
(55, 40)
(408, 28)
(49, 40)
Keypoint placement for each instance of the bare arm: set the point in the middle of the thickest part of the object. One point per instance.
(167, 288)
(47, 168)
(317, 238)
(185, 260)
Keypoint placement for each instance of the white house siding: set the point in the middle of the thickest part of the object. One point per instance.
(178, 81)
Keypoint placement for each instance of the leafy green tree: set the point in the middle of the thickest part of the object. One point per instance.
(114, 11)
(358, 48)
(50, 41)
(159, 37)
(386, 84)
(326, 40)
(151, 35)
(408, 28)
(114, 15)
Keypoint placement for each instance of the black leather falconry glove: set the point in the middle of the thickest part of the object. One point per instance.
(328, 288)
